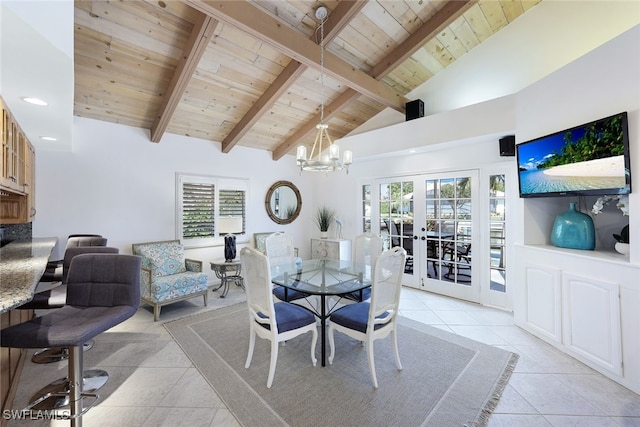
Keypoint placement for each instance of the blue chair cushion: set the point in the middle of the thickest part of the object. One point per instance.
(355, 296)
(355, 316)
(290, 317)
(292, 294)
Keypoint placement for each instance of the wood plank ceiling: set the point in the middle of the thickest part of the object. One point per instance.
(248, 72)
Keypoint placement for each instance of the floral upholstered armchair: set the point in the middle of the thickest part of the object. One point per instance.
(167, 276)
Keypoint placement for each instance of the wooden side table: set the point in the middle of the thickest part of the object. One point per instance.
(227, 272)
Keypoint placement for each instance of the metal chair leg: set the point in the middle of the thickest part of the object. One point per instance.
(56, 395)
(76, 391)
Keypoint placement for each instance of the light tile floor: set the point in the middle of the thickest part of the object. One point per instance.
(153, 383)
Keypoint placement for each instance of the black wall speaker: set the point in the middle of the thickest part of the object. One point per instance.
(414, 109)
(508, 145)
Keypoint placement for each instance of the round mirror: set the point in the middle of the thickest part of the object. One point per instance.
(283, 202)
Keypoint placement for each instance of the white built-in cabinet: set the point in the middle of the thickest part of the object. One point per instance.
(338, 249)
(591, 320)
(585, 303)
(542, 295)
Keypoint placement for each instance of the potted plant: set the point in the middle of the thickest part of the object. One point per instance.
(622, 203)
(324, 217)
(622, 240)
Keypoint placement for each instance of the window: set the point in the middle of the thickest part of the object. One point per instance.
(497, 232)
(201, 200)
(366, 208)
(449, 227)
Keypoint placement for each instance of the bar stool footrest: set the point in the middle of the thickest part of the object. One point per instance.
(56, 354)
(66, 413)
(55, 395)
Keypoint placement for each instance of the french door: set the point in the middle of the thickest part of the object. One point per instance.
(433, 217)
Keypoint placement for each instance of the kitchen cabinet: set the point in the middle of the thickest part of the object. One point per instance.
(17, 172)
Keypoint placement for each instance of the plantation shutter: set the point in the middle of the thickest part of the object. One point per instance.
(198, 207)
(232, 203)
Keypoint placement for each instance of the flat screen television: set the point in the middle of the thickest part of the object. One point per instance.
(590, 159)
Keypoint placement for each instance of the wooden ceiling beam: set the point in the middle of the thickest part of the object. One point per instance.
(201, 34)
(336, 22)
(329, 111)
(439, 21)
(287, 40)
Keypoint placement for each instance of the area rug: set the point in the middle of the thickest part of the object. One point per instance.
(447, 380)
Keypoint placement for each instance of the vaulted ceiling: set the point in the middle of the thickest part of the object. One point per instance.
(248, 72)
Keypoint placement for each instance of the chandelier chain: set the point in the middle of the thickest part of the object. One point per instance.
(320, 160)
(322, 70)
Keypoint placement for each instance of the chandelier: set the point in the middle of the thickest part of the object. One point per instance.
(329, 160)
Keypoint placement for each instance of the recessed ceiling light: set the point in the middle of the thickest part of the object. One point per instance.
(34, 101)
(48, 138)
(412, 151)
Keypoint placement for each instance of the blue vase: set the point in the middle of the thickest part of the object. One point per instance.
(574, 230)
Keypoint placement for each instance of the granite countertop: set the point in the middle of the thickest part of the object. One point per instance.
(22, 264)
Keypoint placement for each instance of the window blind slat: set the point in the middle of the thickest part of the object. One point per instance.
(198, 204)
(232, 203)
(202, 203)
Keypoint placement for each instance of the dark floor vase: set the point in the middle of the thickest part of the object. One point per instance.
(574, 230)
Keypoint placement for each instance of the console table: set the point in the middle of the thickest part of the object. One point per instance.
(338, 249)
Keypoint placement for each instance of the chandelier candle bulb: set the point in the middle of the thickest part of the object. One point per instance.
(301, 154)
(334, 152)
(347, 157)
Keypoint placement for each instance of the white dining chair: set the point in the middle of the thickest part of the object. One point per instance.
(367, 247)
(369, 321)
(280, 251)
(276, 322)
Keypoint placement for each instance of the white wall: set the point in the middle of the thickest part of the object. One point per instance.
(119, 184)
(433, 155)
(521, 54)
(599, 84)
(36, 59)
(547, 37)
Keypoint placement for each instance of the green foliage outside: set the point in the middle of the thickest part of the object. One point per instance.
(604, 140)
(395, 201)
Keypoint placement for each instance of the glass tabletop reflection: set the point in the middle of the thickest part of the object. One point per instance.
(322, 276)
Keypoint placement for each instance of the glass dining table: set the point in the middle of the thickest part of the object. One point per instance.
(323, 278)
